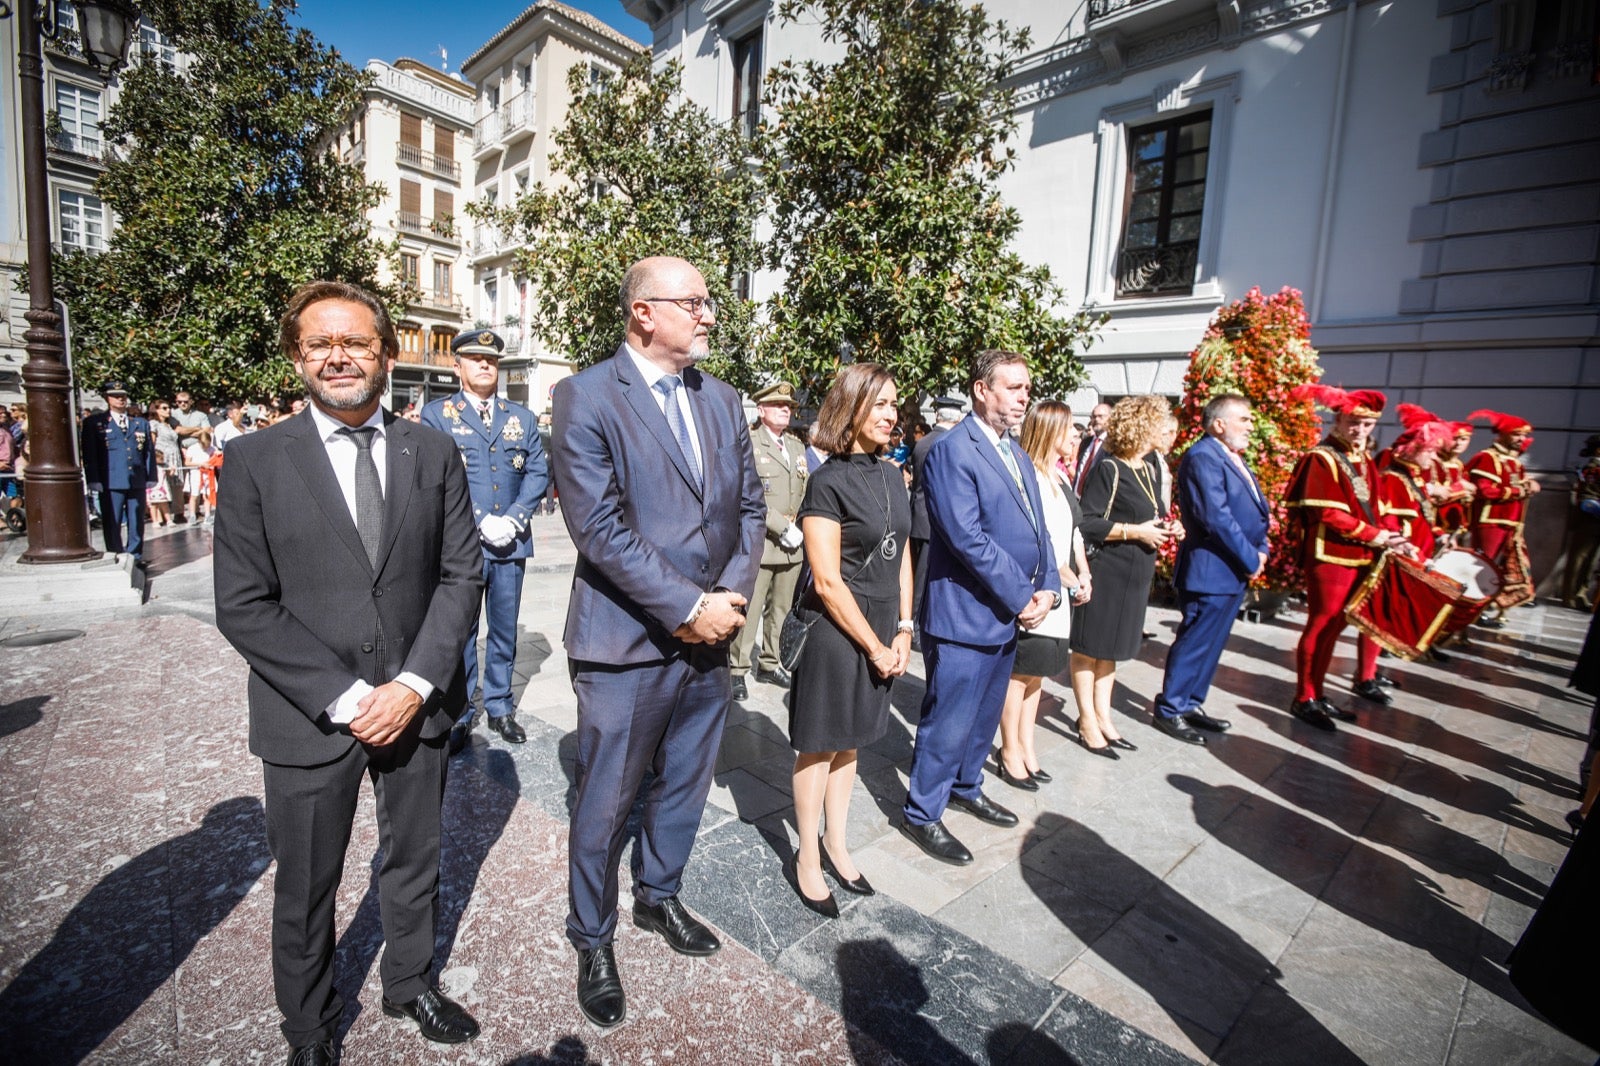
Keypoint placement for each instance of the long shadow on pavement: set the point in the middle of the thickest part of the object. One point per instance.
(129, 934)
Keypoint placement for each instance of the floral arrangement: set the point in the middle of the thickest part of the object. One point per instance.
(1259, 347)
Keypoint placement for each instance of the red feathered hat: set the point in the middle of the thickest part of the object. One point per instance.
(1360, 403)
(1462, 427)
(1428, 435)
(1502, 423)
(1411, 415)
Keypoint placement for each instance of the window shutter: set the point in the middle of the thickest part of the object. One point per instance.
(410, 197)
(444, 204)
(444, 142)
(411, 129)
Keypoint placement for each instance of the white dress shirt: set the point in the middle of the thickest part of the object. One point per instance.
(342, 452)
(653, 374)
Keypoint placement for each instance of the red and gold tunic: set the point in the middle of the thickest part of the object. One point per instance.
(1502, 486)
(1405, 505)
(1455, 509)
(1333, 492)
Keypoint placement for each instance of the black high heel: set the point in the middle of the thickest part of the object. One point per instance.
(827, 906)
(1124, 743)
(859, 886)
(1042, 776)
(1027, 784)
(1107, 752)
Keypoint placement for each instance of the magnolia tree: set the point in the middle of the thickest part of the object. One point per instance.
(1260, 347)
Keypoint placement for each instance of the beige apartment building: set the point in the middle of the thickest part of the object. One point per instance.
(412, 135)
(520, 76)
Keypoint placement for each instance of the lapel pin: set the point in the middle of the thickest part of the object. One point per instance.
(405, 451)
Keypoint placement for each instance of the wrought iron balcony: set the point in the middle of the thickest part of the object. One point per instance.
(88, 149)
(439, 229)
(411, 155)
(1165, 270)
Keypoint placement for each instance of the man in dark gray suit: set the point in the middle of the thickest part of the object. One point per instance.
(347, 574)
(660, 494)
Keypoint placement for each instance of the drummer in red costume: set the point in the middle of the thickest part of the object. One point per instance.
(1410, 498)
(1450, 470)
(1334, 493)
(1503, 485)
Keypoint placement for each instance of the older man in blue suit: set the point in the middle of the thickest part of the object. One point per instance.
(507, 475)
(990, 571)
(1225, 519)
(660, 494)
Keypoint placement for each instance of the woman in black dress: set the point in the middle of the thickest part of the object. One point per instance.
(856, 518)
(1123, 515)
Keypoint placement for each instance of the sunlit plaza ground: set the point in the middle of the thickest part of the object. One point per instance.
(1279, 896)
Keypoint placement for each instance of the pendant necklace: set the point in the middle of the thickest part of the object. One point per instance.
(888, 547)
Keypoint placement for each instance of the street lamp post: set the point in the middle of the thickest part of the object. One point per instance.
(58, 526)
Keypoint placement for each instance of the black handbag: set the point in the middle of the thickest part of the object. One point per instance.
(798, 622)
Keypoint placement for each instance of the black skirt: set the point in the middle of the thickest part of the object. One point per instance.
(1040, 656)
(837, 701)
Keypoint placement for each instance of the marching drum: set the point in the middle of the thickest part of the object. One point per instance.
(1403, 605)
(1479, 580)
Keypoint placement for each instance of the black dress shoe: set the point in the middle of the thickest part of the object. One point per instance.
(1311, 714)
(506, 725)
(1176, 728)
(1027, 784)
(318, 1054)
(740, 692)
(1201, 720)
(827, 906)
(600, 987)
(860, 886)
(1372, 692)
(1332, 710)
(1105, 751)
(460, 734)
(440, 1018)
(1124, 743)
(778, 676)
(984, 809)
(937, 841)
(1492, 623)
(1385, 680)
(1437, 656)
(684, 933)
(1042, 776)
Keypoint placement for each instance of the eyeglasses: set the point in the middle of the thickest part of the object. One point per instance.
(317, 349)
(692, 304)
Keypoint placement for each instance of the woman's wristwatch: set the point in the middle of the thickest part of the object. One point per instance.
(906, 625)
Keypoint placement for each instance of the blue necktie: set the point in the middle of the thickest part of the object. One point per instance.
(668, 388)
(1016, 475)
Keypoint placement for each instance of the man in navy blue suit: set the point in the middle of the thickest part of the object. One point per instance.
(661, 497)
(1225, 519)
(990, 571)
(119, 460)
(506, 474)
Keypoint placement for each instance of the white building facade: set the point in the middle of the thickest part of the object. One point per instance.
(412, 135)
(520, 76)
(77, 101)
(1426, 172)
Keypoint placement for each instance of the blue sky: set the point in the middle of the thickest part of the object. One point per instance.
(389, 29)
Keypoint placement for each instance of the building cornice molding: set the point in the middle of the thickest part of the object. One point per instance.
(1106, 56)
(546, 17)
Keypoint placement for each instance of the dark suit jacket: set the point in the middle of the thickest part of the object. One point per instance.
(299, 600)
(1224, 523)
(919, 492)
(648, 542)
(985, 558)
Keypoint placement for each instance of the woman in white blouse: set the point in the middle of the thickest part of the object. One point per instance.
(1049, 438)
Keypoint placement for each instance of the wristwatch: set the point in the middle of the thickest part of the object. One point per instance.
(905, 625)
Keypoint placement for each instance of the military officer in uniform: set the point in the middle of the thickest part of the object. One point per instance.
(781, 465)
(506, 476)
(119, 459)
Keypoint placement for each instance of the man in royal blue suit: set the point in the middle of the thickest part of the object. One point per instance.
(661, 497)
(1225, 519)
(119, 460)
(990, 570)
(507, 474)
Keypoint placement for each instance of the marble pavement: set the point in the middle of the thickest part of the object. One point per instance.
(1284, 896)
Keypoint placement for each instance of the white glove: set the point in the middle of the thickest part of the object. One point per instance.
(792, 538)
(497, 531)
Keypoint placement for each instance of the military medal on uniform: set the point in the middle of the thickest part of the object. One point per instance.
(513, 429)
